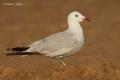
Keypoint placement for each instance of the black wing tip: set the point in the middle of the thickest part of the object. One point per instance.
(23, 53)
(18, 49)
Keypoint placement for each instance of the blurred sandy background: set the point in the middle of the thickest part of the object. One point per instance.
(20, 25)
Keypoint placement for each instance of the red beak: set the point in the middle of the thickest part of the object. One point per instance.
(87, 19)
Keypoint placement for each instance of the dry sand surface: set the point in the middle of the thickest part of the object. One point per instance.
(20, 25)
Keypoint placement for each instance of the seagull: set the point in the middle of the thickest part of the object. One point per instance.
(58, 45)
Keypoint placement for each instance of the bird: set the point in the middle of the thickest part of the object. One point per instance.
(60, 44)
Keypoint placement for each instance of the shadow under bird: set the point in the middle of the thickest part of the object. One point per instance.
(57, 45)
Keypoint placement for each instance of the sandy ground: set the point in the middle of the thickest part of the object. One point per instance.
(20, 25)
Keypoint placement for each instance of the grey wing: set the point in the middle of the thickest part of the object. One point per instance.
(52, 43)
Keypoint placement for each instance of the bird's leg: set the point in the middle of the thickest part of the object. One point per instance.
(60, 60)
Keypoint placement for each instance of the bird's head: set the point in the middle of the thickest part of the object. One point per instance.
(77, 17)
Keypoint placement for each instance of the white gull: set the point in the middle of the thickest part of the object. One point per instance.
(60, 44)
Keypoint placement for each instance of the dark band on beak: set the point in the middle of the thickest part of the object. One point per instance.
(87, 19)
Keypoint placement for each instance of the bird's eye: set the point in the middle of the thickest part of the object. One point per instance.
(76, 15)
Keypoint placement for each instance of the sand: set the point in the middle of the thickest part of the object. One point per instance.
(20, 25)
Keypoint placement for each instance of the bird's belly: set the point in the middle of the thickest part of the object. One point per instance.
(71, 52)
(74, 50)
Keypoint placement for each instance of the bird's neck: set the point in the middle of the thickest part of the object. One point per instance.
(75, 28)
